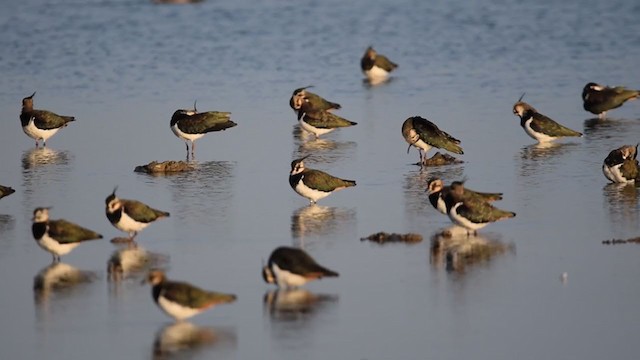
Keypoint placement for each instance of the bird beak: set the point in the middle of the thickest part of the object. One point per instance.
(194, 106)
(114, 190)
(409, 148)
(32, 95)
(521, 97)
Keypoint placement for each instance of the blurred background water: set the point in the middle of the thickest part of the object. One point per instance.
(122, 68)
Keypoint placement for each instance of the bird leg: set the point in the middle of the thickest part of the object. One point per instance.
(193, 149)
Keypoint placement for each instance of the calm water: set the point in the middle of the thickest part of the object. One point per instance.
(123, 67)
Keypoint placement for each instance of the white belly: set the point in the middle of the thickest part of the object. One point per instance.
(55, 247)
(185, 136)
(536, 135)
(309, 193)
(286, 278)
(459, 220)
(613, 173)
(376, 73)
(313, 129)
(38, 134)
(175, 310)
(127, 224)
(422, 145)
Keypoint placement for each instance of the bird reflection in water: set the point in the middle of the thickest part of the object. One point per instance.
(183, 338)
(456, 251)
(607, 129)
(320, 220)
(35, 157)
(415, 185)
(58, 278)
(294, 304)
(131, 262)
(325, 151)
(622, 203)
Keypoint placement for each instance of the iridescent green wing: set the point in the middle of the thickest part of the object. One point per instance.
(384, 63)
(47, 120)
(320, 180)
(327, 120)
(66, 232)
(141, 212)
(206, 122)
(479, 211)
(193, 297)
(547, 126)
(432, 135)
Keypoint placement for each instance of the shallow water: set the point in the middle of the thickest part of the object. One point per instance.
(123, 67)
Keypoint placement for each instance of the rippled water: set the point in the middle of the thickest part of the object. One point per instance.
(123, 67)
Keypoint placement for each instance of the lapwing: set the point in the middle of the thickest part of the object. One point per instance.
(130, 216)
(190, 125)
(290, 267)
(316, 102)
(58, 237)
(320, 122)
(437, 192)
(181, 300)
(376, 67)
(621, 165)
(598, 99)
(314, 184)
(6, 191)
(469, 212)
(538, 126)
(423, 134)
(40, 124)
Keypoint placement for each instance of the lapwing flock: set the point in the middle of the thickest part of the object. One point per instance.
(289, 267)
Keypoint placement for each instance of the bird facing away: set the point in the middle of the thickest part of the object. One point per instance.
(130, 216)
(437, 192)
(538, 126)
(58, 237)
(40, 124)
(470, 212)
(598, 99)
(190, 125)
(314, 184)
(181, 300)
(621, 165)
(6, 191)
(423, 134)
(290, 267)
(376, 67)
(319, 122)
(316, 102)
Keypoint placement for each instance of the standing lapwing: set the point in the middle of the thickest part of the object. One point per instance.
(538, 126)
(598, 99)
(40, 124)
(316, 102)
(437, 191)
(6, 191)
(320, 122)
(470, 212)
(423, 134)
(190, 125)
(130, 216)
(293, 267)
(314, 184)
(376, 67)
(58, 237)
(181, 300)
(621, 165)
